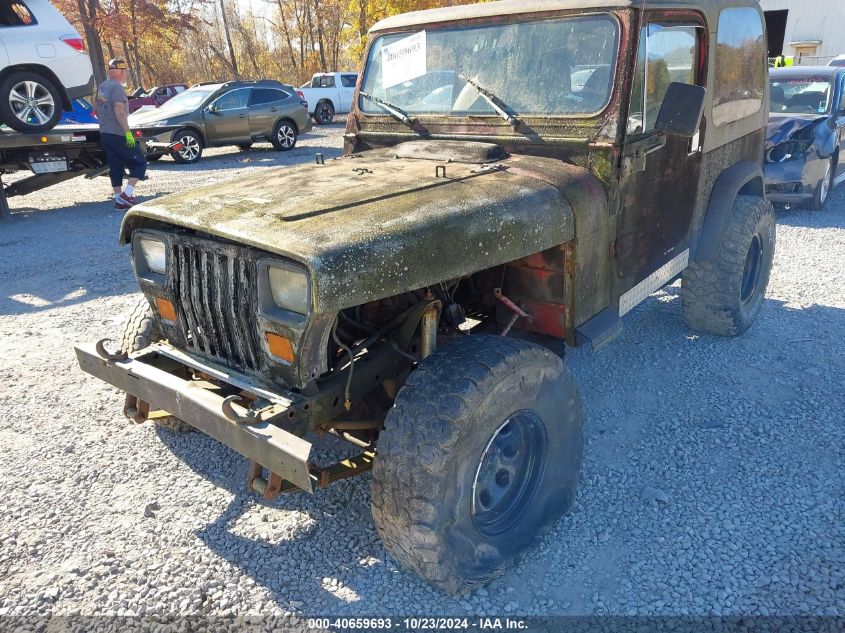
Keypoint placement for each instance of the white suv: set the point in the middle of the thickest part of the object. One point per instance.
(43, 65)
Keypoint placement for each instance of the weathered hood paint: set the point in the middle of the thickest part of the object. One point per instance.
(373, 225)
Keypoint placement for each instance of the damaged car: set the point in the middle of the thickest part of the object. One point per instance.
(414, 298)
(806, 135)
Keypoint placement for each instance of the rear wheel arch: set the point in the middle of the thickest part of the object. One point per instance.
(744, 178)
(46, 73)
(288, 120)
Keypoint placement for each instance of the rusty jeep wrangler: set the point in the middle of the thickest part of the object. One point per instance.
(516, 176)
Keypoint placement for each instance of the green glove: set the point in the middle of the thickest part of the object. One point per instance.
(130, 140)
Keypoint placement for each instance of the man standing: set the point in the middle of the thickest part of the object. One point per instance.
(122, 150)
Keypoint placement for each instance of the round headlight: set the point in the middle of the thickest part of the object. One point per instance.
(154, 253)
(289, 287)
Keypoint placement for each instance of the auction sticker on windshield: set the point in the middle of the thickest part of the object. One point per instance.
(403, 60)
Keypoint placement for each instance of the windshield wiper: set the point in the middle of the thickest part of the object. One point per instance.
(395, 111)
(495, 102)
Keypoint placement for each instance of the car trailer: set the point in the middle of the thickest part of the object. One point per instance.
(65, 152)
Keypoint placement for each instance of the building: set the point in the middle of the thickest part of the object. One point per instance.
(808, 30)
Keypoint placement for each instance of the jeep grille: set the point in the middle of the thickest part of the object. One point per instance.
(215, 291)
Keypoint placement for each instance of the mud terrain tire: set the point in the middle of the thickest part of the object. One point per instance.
(140, 330)
(482, 412)
(724, 295)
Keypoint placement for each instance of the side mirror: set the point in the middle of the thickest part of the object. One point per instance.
(680, 114)
(211, 109)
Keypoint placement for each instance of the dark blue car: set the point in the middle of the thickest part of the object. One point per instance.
(805, 139)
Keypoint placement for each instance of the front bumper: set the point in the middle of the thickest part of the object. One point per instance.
(787, 182)
(158, 375)
(795, 181)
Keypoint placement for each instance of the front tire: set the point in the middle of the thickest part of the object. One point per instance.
(479, 457)
(191, 150)
(141, 331)
(724, 296)
(824, 188)
(29, 102)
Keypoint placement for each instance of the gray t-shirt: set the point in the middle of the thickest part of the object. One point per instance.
(109, 93)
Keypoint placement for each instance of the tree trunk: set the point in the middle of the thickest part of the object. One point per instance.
(88, 17)
(233, 60)
(133, 78)
(135, 60)
(284, 20)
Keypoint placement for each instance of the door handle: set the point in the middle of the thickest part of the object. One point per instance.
(241, 116)
(274, 109)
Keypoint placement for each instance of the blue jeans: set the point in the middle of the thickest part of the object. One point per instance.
(121, 157)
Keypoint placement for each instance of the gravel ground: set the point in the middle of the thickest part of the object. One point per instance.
(712, 484)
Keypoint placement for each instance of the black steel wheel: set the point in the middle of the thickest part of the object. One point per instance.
(509, 473)
(479, 457)
(324, 113)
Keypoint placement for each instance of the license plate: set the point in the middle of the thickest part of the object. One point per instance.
(49, 166)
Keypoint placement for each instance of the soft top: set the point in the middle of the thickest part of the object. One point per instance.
(514, 7)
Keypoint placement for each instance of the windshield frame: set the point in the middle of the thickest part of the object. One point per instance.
(522, 18)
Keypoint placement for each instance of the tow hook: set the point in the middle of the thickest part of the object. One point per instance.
(250, 417)
(103, 353)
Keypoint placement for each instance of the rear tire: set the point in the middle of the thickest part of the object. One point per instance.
(284, 136)
(724, 296)
(479, 457)
(324, 113)
(192, 147)
(139, 332)
(824, 188)
(30, 102)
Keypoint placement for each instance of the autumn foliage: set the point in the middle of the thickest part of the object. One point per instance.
(170, 41)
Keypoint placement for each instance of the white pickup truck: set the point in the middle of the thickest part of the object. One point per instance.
(328, 94)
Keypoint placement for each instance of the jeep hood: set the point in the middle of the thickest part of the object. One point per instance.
(376, 224)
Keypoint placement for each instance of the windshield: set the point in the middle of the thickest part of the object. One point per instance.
(191, 99)
(551, 67)
(800, 95)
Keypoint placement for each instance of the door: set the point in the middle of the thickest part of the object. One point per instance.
(347, 91)
(20, 35)
(227, 118)
(840, 130)
(265, 108)
(659, 179)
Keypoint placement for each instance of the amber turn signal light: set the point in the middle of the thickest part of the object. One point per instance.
(166, 309)
(280, 347)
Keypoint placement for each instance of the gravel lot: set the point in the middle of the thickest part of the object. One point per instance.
(712, 484)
